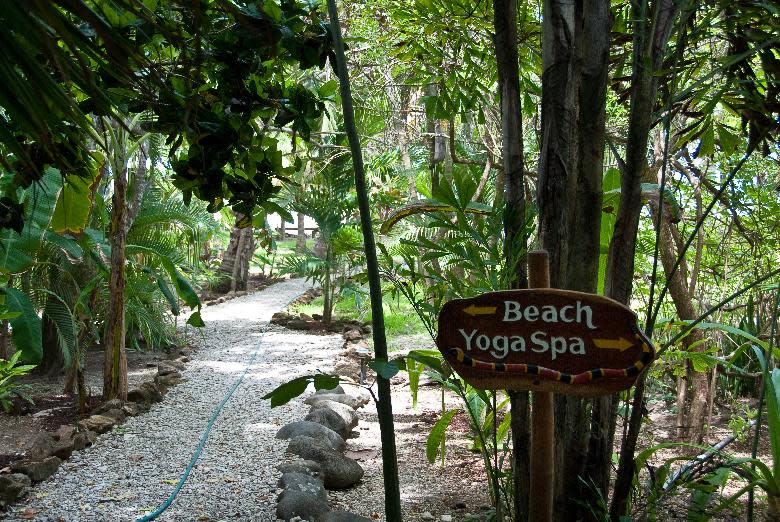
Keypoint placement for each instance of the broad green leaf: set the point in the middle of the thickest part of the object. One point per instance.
(74, 204)
(436, 436)
(168, 294)
(286, 392)
(26, 327)
(323, 381)
(329, 88)
(386, 369)
(182, 284)
(196, 320)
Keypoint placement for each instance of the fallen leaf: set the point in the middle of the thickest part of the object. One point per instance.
(28, 514)
(172, 482)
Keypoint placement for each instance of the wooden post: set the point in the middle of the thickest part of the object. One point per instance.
(540, 505)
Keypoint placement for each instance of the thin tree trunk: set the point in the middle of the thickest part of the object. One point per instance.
(505, 24)
(234, 268)
(327, 307)
(115, 361)
(652, 29)
(5, 346)
(300, 242)
(384, 404)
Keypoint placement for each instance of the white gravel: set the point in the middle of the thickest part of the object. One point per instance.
(132, 469)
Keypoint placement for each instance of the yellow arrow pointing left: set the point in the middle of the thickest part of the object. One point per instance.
(620, 343)
(480, 310)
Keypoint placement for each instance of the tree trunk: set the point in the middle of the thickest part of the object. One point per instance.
(115, 361)
(300, 241)
(698, 389)
(649, 45)
(234, 268)
(5, 346)
(505, 24)
(384, 404)
(327, 307)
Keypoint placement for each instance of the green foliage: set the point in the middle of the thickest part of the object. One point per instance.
(11, 370)
(436, 437)
(289, 390)
(26, 326)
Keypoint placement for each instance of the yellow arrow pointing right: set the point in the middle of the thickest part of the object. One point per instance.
(480, 310)
(620, 343)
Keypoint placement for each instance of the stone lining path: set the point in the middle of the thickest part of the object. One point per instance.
(132, 469)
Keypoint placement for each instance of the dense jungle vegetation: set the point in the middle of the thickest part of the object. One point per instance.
(146, 143)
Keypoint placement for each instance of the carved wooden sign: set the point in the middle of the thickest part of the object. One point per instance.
(544, 340)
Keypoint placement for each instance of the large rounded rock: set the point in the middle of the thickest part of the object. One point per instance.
(345, 412)
(13, 487)
(97, 423)
(338, 390)
(292, 503)
(348, 400)
(330, 419)
(38, 470)
(146, 393)
(311, 429)
(303, 482)
(308, 467)
(339, 472)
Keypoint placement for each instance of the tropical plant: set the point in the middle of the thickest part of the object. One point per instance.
(10, 370)
(329, 199)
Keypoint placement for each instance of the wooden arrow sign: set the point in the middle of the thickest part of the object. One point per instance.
(544, 340)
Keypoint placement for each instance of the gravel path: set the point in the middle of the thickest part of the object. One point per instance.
(132, 469)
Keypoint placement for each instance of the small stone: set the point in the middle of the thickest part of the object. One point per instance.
(13, 487)
(166, 368)
(427, 516)
(446, 518)
(65, 432)
(97, 423)
(298, 324)
(146, 393)
(113, 404)
(118, 415)
(132, 409)
(176, 363)
(38, 470)
(353, 335)
(84, 439)
(42, 446)
(167, 381)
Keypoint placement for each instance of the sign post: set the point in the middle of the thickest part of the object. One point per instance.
(540, 504)
(546, 341)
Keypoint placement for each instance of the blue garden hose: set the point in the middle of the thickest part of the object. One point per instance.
(204, 437)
